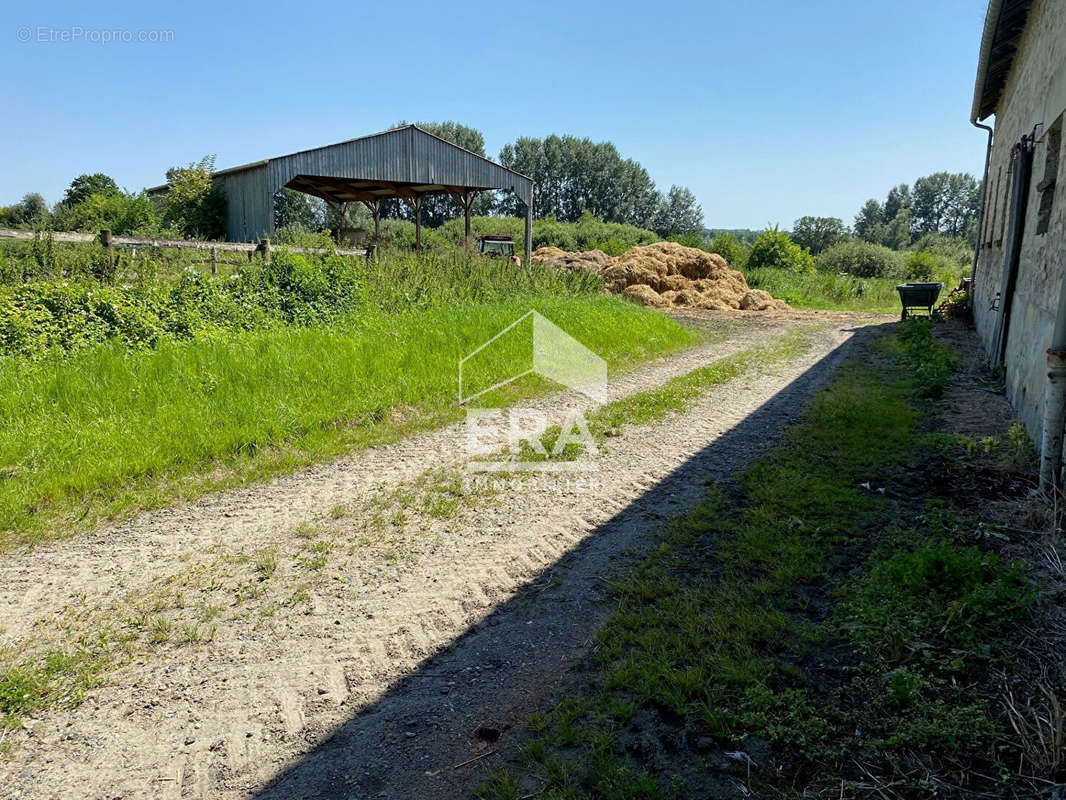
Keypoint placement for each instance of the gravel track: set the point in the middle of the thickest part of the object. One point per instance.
(377, 684)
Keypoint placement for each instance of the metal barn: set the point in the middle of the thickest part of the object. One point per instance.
(407, 163)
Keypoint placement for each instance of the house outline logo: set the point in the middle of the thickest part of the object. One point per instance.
(555, 355)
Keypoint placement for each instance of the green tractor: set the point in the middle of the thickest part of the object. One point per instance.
(498, 247)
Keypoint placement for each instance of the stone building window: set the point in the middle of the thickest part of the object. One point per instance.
(1046, 187)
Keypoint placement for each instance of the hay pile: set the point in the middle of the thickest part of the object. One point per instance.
(588, 261)
(666, 275)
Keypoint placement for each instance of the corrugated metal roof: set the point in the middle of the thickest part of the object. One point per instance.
(393, 136)
(1004, 23)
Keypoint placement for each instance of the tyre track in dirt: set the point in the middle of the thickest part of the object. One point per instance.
(226, 717)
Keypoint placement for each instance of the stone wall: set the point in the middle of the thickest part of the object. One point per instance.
(1031, 96)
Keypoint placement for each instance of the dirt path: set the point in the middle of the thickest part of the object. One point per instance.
(283, 633)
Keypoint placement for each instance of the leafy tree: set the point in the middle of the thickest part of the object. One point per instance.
(194, 204)
(11, 216)
(945, 203)
(775, 249)
(34, 208)
(298, 209)
(84, 186)
(574, 176)
(869, 220)
(897, 233)
(679, 213)
(818, 233)
(899, 199)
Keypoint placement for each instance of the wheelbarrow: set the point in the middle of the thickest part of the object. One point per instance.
(918, 295)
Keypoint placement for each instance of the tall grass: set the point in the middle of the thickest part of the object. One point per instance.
(103, 432)
(833, 290)
(826, 290)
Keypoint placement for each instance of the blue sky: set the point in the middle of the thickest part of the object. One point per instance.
(766, 110)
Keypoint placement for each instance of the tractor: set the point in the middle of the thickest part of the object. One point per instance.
(497, 247)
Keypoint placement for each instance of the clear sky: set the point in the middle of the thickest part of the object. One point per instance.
(767, 110)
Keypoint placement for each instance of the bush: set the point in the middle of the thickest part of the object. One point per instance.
(729, 247)
(194, 204)
(951, 252)
(862, 259)
(36, 318)
(921, 266)
(775, 249)
(121, 213)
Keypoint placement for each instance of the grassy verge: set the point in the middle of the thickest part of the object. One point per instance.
(100, 433)
(831, 630)
(677, 394)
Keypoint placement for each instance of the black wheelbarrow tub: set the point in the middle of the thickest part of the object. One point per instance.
(918, 295)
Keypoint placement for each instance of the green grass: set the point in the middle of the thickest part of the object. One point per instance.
(101, 433)
(834, 291)
(56, 678)
(806, 618)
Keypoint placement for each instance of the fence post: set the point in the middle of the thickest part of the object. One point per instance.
(108, 241)
(214, 263)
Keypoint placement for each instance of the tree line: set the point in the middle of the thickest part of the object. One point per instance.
(944, 204)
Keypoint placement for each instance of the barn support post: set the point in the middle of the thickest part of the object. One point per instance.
(529, 229)
(415, 203)
(466, 200)
(375, 210)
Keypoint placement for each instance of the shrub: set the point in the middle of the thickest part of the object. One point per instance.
(123, 214)
(950, 251)
(862, 259)
(729, 247)
(774, 248)
(298, 235)
(194, 204)
(40, 317)
(921, 266)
